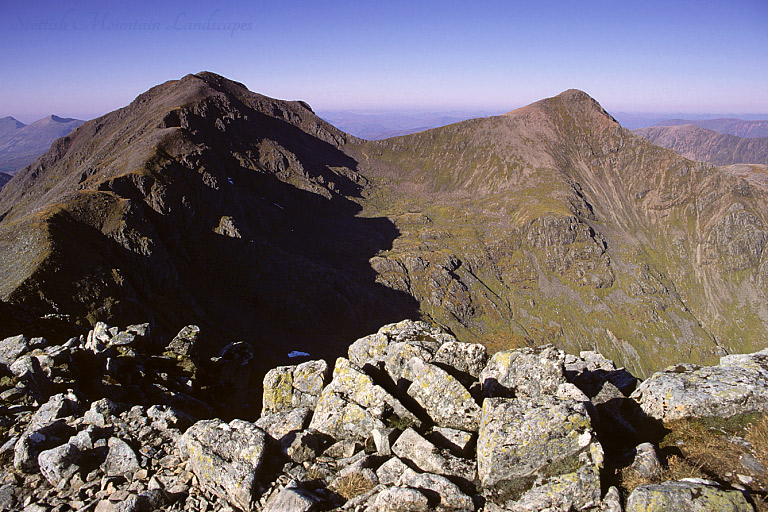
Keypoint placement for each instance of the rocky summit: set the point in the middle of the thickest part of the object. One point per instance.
(120, 419)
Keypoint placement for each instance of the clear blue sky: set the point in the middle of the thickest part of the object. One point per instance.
(631, 55)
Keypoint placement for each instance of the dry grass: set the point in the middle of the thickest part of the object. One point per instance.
(352, 485)
(705, 448)
(757, 434)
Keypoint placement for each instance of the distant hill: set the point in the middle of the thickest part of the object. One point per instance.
(729, 126)
(384, 125)
(4, 178)
(705, 145)
(21, 144)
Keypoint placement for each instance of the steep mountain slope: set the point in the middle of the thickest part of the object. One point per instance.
(698, 143)
(554, 224)
(21, 144)
(201, 196)
(548, 224)
(725, 125)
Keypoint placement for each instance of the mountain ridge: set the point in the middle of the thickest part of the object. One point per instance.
(549, 224)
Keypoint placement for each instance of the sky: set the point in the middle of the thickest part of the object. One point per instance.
(83, 59)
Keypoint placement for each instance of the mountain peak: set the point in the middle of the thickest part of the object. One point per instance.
(575, 102)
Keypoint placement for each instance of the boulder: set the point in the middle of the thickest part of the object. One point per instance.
(411, 446)
(121, 459)
(468, 358)
(11, 348)
(291, 499)
(688, 495)
(400, 499)
(226, 458)
(445, 399)
(352, 405)
(738, 385)
(289, 387)
(524, 372)
(60, 463)
(184, 342)
(543, 442)
(441, 492)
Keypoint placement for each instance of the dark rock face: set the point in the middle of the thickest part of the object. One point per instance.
(202, 197)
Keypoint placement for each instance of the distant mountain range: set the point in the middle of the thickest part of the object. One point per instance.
(21, 144)
(696, 143)
(383, 125)
(549, 224)
(729, 126)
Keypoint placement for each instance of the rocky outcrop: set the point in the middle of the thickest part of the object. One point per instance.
(412, 419)
(738, 385)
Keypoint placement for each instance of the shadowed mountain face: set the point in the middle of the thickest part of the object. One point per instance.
(698, 143)
(21, 144)
(725, 125)
(204, 202)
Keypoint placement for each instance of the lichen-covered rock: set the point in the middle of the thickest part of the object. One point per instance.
(469, 358)
(690, 495)
(445, 400)
(738, 385)
(288, 387)
(400, 499)
(411, 446)
(524, 372)
(281, 423)
(540, 441)
(352, 405)
(448, 495)
(278, 389)
(225, 457)
(367, 348)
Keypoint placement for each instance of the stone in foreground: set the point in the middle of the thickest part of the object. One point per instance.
(542, 442)
(689, 495)
(738, 385)
(226, 458)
